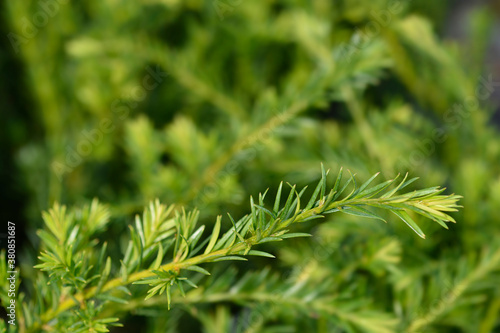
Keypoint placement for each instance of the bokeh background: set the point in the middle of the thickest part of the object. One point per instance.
(203, 103)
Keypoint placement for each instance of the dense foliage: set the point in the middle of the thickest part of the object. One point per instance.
(188, 108)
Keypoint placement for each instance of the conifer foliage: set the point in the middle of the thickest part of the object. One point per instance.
(155, 128)
(168, 251)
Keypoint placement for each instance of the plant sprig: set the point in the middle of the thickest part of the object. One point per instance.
(260, 226)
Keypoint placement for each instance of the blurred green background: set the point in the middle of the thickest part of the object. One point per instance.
(203, 103)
